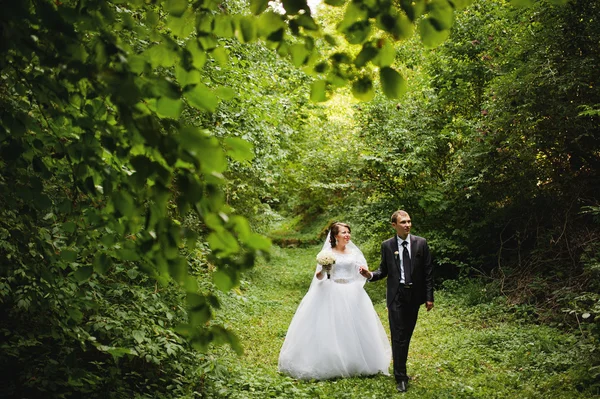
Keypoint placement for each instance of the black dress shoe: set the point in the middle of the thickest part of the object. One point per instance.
(401, 387)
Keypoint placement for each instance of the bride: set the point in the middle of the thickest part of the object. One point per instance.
(336, 331)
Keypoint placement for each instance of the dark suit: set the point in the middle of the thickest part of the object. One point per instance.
(403, 303)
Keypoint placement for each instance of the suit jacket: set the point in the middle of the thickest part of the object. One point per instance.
(422, 269)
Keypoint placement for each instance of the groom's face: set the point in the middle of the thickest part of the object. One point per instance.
(402, 225)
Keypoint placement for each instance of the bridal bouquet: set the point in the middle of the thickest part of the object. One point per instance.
(326, 260)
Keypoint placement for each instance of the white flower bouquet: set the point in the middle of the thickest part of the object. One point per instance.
(326, 260)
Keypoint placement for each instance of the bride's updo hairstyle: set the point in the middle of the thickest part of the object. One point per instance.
(334, 230)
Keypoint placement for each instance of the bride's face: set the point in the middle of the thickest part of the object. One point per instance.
(343, 236)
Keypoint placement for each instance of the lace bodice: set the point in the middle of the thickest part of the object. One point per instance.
(346, 266)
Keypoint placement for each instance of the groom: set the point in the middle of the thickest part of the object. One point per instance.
(406, 261)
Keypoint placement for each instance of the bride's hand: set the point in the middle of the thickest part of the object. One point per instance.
(365, 272)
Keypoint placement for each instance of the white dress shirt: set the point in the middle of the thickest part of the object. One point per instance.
(400, 250)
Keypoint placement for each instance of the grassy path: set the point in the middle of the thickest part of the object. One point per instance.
(467, 347)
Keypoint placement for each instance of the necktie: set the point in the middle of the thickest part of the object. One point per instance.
(406, 264)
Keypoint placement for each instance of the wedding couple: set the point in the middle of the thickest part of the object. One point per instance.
(336, 332)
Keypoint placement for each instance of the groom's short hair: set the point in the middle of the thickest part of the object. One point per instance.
(398, 213)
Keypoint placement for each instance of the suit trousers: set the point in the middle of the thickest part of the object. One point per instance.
(402, 315)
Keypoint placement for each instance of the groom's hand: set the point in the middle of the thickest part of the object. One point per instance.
(429, 305)
(365, 272)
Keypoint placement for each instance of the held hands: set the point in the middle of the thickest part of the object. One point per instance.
(365, 272)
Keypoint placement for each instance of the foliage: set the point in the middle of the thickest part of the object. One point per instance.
(134, 135)
(111, 333)
(98, 179)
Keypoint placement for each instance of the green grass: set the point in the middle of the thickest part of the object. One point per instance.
(461, 349)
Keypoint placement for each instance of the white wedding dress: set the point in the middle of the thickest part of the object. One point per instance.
(336, 331)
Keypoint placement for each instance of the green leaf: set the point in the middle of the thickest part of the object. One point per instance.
(184, 329)
(138, 335)
(440, 14)
(413, 8)
(190, 284)
(430, 36)
(367, 53)
(307, 22)
(393, 84)
(241, 227)
(165, 87)
(239, 149)
(176, 7)
(195, 300)
(362, 89)
(127, 254)
(123, 202)
(386, 55)
(201, 97)
(198, 310)
(224, 336)
(220, 55)
(192, 138)
(246, 29)
(83, 273)
(185, 77)
(224, 26)
(299, 54)
(225, 93)
(358, 32)
(223, 241)
(270, 22)
(321, 67)
(169, 108)
(259, 242)
(205, 148)
(212, 159)
(354, 12)
(330, 39)
(222, 281)
(115, 352)
(292, 7)
(208, 42)
(182, 26)
(137, 63)
(198, 55)
(75, 314)
(161, 56)
(213, 221)
(101, 263)
(68, 255)
(258, 6)
(69, 227)
(397, 24)
(132, 273)
(178, 269)
(151, 18)
(318, 91)
(335, 3)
